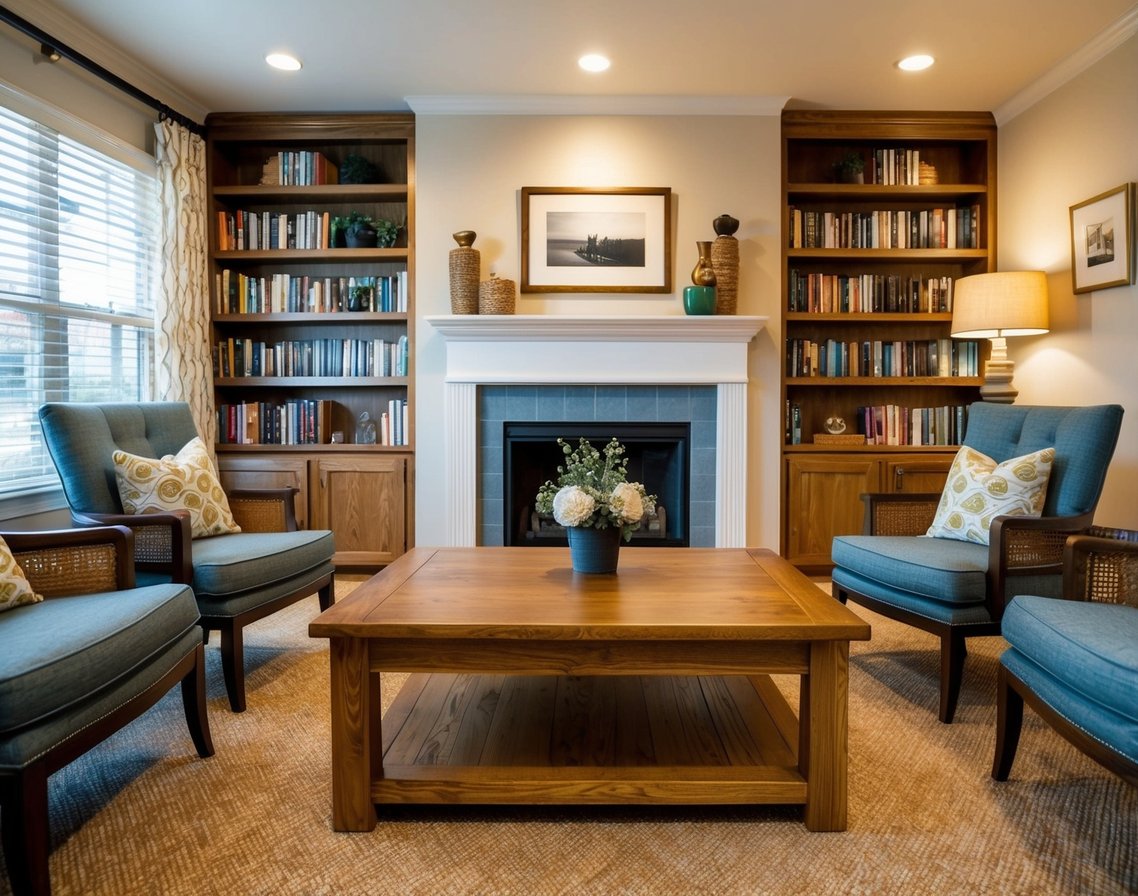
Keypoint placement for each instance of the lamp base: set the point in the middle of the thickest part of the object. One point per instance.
(998, 387)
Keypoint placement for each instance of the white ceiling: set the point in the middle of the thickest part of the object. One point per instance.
(374, 54)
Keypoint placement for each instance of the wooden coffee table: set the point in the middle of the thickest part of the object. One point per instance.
(546, 686)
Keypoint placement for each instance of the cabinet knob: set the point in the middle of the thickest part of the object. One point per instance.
(898, 478)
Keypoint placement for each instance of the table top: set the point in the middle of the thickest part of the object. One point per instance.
(533, 592)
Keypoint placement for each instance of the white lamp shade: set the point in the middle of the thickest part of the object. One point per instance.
(1006, 303)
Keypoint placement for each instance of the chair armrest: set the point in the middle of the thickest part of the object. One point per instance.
(75, 561)
(898, 513)
(162, 541)
(1102, 565)
(1027, 546)
(264, 509)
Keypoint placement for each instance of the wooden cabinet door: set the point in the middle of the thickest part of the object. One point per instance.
(916, 474)
(268, 471)
(823, 500)
(363, 500)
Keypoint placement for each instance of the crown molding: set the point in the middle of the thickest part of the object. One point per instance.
(1070, 68)
(566, 104)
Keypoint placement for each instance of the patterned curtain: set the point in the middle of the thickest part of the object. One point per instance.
(182, 345)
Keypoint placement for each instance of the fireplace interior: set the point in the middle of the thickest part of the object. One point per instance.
(658, 456)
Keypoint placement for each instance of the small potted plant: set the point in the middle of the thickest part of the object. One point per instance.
(355, 169)
(359, 231)
(851, 169)
(387, 232)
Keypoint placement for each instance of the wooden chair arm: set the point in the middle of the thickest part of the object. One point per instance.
(162, 541)
(1027, 546)
(898, 513)
(1102, 565)
(75, 561)
(264, 509)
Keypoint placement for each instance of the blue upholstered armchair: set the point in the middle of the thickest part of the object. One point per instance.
(1075, 661)
(958, 589)
(236, 578)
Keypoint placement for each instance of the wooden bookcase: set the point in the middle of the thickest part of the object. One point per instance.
(363, 492)
(868, 286)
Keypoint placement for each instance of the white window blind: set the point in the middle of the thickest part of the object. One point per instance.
(78, 236)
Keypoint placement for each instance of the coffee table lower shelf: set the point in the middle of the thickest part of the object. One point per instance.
(511, 739)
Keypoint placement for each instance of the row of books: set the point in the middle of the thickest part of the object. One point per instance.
(299, 168)
(893, 424)
(300, 421)
(894, 166)
(935, 228)
(239, 293)
(392, 427)
(878, 358)
(240, 230)
(867, 293)
(312, 357)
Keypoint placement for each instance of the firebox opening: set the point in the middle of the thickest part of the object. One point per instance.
(658, 456)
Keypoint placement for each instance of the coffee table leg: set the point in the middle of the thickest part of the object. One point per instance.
(822, 743)
(356, 736)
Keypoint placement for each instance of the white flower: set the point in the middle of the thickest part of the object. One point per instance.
(626, 502)
(572, 506)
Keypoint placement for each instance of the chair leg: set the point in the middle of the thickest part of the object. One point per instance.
(193, 702)
(1009, 722)
(328, 594)
(233, 664)
(24, 830)
(952, 653)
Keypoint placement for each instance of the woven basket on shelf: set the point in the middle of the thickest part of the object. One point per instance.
(496, 296)
(465, 266)
(725, 261)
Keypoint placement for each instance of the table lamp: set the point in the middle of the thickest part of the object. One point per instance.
(994, 306)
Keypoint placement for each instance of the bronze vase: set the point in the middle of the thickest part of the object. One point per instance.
(703, 274)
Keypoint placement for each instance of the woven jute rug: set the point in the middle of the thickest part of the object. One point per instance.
(141, 814)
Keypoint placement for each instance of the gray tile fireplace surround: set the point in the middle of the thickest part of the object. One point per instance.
(588, 404)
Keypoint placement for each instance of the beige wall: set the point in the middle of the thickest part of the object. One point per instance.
(469, 173)
(1076, 143)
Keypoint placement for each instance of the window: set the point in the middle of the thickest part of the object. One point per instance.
(78, 236)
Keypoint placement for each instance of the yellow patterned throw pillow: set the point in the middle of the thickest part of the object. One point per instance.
(15, 590)
(979, 489)
(182, 481)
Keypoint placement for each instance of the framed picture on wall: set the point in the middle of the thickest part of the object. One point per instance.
(615, 239)
(1102, 240)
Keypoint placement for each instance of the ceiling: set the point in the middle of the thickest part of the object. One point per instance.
(374, 54)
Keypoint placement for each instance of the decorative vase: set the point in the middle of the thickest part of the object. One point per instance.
(703, 274)
(361, 238)
(699, 299)
(725, 261)
(496, 295)
(465, 266)
(594, 551)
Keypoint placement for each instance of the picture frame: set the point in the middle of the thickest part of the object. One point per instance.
(584, 240)
(1102, 240)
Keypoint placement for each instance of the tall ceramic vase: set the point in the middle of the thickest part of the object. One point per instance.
(594, 551)
(699, 298)
(725, 260)
(465, 265)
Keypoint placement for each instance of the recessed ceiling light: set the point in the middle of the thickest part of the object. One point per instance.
(283, 61)
(593, 62)
(916, 63)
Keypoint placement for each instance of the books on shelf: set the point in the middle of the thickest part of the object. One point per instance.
(934, 228)
(236, 357)
(393, 426)
(883, 358)
(240, 231)
(238, 293)
(292, 422)
(299, 168)
(890, 424)
(867, 293)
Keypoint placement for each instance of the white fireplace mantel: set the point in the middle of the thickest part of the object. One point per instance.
(534, 349)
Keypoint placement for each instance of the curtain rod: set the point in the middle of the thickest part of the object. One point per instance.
(48, 42)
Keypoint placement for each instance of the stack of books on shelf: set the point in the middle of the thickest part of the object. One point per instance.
(299, 168)
(293, 422)
(393, 427)
(881, 358)
(895, 167)
(936, 228)
(890, 425)
(238, 293)
(868, 293)
(312, 357)
(241, 231)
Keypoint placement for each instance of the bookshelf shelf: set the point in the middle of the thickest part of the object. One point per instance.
(925, 216)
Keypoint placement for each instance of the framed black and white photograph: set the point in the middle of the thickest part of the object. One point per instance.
(1102, 240)
(615, 239)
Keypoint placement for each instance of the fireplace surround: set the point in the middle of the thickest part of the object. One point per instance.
(571, 350)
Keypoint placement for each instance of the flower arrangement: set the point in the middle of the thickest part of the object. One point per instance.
(592, 490)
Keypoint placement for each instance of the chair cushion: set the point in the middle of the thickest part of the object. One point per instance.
(60, 652)
(978, 489)
(1089, 648)
(15, 590)
(950, 571)
(232, 564)
(183, 481)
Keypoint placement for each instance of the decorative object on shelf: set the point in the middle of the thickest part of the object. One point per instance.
(926, 175)
(355, 169)
(465, 266)
(360, 298)
(851, 169)
(496, 295)
(605, 240)
(700, 297)
(835, 425)
(994, 306)
(365, 430)
(1102, 240)
(359, 231)
(592, 493)
(725, 261)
